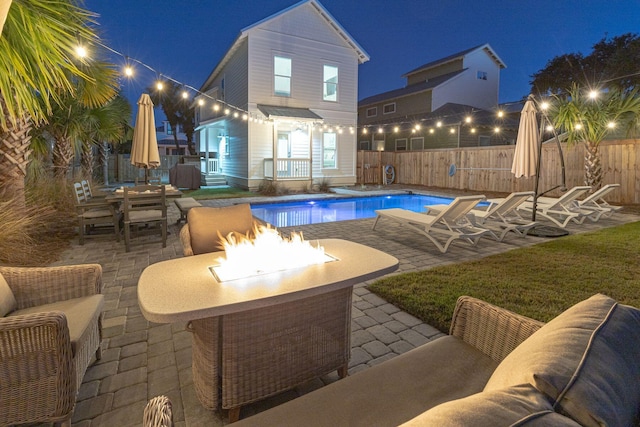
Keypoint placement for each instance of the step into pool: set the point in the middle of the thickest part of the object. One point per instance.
(287, 214)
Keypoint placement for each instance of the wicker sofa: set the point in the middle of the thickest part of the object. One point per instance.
(495, 368)
(50, 331)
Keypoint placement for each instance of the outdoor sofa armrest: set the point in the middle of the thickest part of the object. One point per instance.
(34, 286)
(37, 376)
(493, 330)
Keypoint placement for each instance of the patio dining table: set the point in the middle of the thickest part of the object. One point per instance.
(257, 336)
(117, 195)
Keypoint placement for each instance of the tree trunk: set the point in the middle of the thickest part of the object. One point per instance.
(15, 153)
(592, 166)
(87, 160)
(62, 157)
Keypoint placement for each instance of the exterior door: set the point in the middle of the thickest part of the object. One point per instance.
(284, 153)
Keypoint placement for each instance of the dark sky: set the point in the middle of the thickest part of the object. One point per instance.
(185, 39)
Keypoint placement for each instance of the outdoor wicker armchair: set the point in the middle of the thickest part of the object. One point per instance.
(50, 331)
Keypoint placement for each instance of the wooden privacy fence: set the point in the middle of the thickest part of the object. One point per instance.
(489, 168)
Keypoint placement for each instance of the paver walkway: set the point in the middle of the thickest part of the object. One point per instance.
(142, 360)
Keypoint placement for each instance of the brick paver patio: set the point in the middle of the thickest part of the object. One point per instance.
(142, 360)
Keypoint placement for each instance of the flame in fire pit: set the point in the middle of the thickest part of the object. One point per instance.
(267, 252)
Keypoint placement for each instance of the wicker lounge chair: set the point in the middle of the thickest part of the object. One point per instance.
(50, 330)
(451, 223)
(205, 225)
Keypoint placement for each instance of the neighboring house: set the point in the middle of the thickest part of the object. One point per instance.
(281, 105)
(451, 102)
(166, 141)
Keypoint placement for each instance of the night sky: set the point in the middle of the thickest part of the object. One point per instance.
(185, 39)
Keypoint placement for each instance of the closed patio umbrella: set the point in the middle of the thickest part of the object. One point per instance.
(144, 150)
(525, 158)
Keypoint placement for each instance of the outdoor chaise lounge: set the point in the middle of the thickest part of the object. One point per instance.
(450, 223)
(598, 204)
(561, 210)
(500, 216)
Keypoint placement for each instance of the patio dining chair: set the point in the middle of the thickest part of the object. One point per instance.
(144, 205)
(91, 213)
(89, 193)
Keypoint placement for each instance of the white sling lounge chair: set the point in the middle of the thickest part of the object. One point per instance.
(596, 202)
(451, 223)
(563, 209)
(502, 215)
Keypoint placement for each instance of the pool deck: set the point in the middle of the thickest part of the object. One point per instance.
(142, 359)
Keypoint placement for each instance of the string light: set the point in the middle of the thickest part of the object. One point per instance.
(129, 71)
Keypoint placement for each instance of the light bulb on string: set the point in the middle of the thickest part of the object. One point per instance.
(128, 71)
(201, 102)
(81, 51)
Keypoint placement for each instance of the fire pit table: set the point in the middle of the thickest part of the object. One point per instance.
(260, 335)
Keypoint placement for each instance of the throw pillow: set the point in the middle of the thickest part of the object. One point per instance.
(7, 299)
(581, 360)
(517, 405)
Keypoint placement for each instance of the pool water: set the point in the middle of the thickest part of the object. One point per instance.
(289, 214)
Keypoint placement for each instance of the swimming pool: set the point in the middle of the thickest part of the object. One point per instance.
(287, 214)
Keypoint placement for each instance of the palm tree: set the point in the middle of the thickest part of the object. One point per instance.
(169, 99)
(106, 124)
(177, 110)
(589, 118)
(71, 120)
(38, 47)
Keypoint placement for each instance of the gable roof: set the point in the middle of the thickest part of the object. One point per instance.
(457, 56)
(411, 89)
(319, 8)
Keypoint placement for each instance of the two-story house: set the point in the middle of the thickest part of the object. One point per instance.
(450, 102)
(281, 105)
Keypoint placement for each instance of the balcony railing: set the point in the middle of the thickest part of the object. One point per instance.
(213, 166)
(288, 169)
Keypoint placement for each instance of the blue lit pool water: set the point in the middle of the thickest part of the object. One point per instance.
(289, 214)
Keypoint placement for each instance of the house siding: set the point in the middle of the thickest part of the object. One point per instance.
(304, 37)
(440, 70)
(467, 89)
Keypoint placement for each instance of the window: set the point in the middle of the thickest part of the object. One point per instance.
(330, 86)
(365, 145)
(282, 76)
(481, 75)
(401, 144)
(417, 143)
(372, 112)
(484, 140)
(329, 149)
(389, 108)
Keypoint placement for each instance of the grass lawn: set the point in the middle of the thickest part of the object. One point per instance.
(539, 281)
(218, 193)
